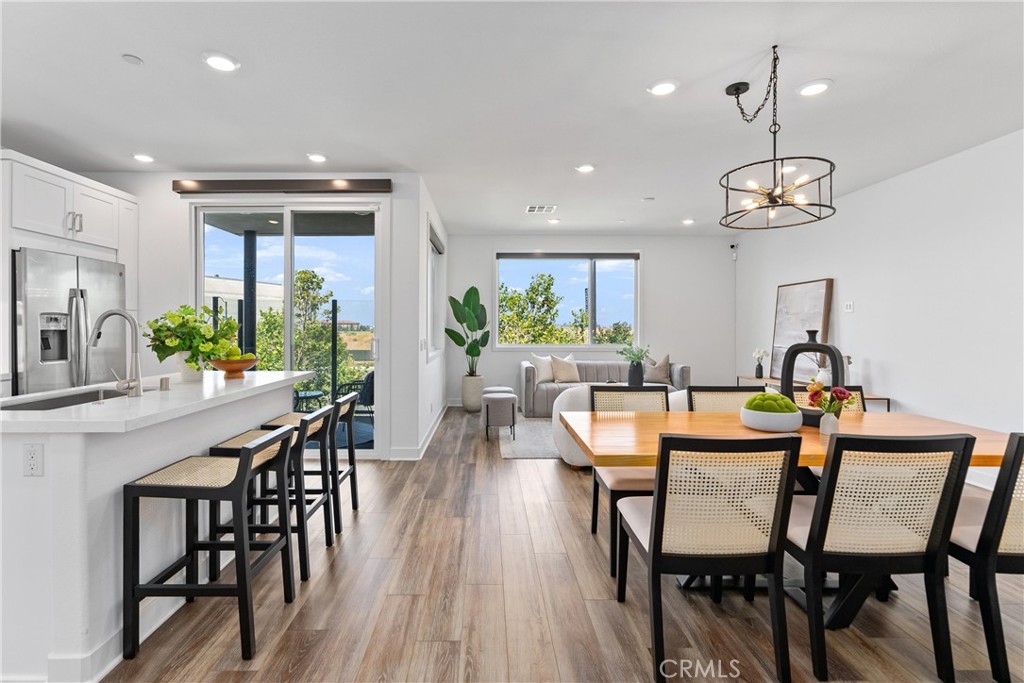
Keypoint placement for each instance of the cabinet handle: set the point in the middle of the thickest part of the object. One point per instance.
(71, 221)
(81, 222)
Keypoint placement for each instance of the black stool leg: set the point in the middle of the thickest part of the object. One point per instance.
(992, 623)
(335, 482)
(301, 528)
(284, 526)
(594, 504)
(243, 578)
(938, 615)
(325, 486)
(191, 536)
(214, 536)
(351, 439)
(130, 574)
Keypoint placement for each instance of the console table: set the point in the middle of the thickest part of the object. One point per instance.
(742, 380)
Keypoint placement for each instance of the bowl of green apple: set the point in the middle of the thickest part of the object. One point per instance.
(770, 412)
(235, 363)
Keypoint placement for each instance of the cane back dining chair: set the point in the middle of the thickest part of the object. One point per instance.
(213, 479)
(988, 536)
(885, 506)
(720, 506)
(622, 482)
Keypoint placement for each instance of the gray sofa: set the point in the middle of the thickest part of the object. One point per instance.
(537, 399)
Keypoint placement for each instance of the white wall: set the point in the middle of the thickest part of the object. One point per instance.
(932, 260)
(165, 272)
(432, 366)
(686, 300)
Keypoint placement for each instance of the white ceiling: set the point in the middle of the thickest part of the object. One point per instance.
(494, 103)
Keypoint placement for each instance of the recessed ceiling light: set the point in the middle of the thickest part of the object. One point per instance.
(662, 88)
(688, 221)
(316, 157)
(622, 220)
(132, 59)
(221, 61)
(815, 87)
(272, 221)
(554, 221)
(144, 158)
(647, 199)
(585, 168)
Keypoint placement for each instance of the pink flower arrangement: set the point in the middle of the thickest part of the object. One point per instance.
(832, 402)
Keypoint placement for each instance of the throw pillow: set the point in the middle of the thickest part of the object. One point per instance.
(543, 365)
(564, 369)
(658, 373)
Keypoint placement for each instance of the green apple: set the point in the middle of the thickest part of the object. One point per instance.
(249, 356)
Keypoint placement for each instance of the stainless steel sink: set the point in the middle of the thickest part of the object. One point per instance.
(94, 396)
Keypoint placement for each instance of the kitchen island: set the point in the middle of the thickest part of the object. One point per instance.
(61, 529)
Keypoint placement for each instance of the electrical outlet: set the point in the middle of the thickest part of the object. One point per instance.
(848, 307)
(32, 461)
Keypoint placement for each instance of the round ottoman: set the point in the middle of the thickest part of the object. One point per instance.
(499, 411)
(577, 398)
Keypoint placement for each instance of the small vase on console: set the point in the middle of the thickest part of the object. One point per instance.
(759, 371)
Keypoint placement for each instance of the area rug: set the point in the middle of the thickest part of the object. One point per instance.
(533, 439)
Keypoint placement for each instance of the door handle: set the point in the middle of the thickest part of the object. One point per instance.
(374, 349)
(74, 338)
(83, 295)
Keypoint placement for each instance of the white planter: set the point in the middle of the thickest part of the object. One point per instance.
(771, 422)
(472, 390)
(187, 373)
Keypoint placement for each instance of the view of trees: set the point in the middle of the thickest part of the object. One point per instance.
(311, 345)
(529, 317)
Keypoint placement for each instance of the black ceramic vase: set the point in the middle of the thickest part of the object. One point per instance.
(759, 371)
(812, 417)
(636, 374)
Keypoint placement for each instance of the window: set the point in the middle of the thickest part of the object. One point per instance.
(435, 292)
(566, 299)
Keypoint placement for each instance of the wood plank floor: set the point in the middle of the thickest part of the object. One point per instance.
(464, 566)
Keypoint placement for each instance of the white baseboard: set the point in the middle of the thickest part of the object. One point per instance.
(455, 403)
(416, 453)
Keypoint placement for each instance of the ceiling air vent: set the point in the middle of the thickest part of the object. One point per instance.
(541, 208)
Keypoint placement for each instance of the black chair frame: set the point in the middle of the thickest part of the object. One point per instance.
(986, 561)
(235, 493)
(615, 496)
(862, 574)
(769, 563)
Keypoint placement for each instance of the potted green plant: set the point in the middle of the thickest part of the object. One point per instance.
(189, 335)
(636, 356)
(471, 315)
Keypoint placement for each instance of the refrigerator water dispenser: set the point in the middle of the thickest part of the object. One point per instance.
(53, 337)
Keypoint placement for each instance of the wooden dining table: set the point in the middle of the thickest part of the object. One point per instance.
(621, 439)
(618, 439)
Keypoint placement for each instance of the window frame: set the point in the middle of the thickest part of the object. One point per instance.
(593, 256)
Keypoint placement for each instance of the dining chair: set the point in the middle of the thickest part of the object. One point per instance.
(885, 506)
(719, 399)
(988, 536)
(720, 506)
(622, 482)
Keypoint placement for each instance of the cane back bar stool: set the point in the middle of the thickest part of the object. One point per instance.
(885, 506)
(344, 412)
(622, 482)
(988, 536)
(212, 479)
(312, 427)
(720, 506)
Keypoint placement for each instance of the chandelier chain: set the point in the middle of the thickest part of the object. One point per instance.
(770, 91)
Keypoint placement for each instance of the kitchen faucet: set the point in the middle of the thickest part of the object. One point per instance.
(133, 383)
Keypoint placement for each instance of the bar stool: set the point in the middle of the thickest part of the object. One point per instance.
(344, 412)
(213, 479)
(312, 426)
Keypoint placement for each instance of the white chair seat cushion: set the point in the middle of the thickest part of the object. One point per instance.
(626, 478)
(970, 515)
(636, 513)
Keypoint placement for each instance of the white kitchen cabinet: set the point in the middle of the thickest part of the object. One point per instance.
(41, 201)
(128, 250)
(62, 204)
(97, 215)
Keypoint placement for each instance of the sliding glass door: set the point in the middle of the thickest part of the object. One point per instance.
(301, 281)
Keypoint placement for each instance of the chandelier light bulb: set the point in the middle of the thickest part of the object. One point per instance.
(802, 179)
(752, 185)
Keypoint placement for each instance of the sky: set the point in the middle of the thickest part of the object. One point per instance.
(346, 264)
(614, 285)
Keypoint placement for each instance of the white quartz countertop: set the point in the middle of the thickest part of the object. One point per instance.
(125, 414)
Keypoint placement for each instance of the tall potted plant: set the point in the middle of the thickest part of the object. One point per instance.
(471, 315)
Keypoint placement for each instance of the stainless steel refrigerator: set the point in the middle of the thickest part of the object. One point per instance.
(56, 299)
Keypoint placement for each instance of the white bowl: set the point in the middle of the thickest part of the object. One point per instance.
(772, 422)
